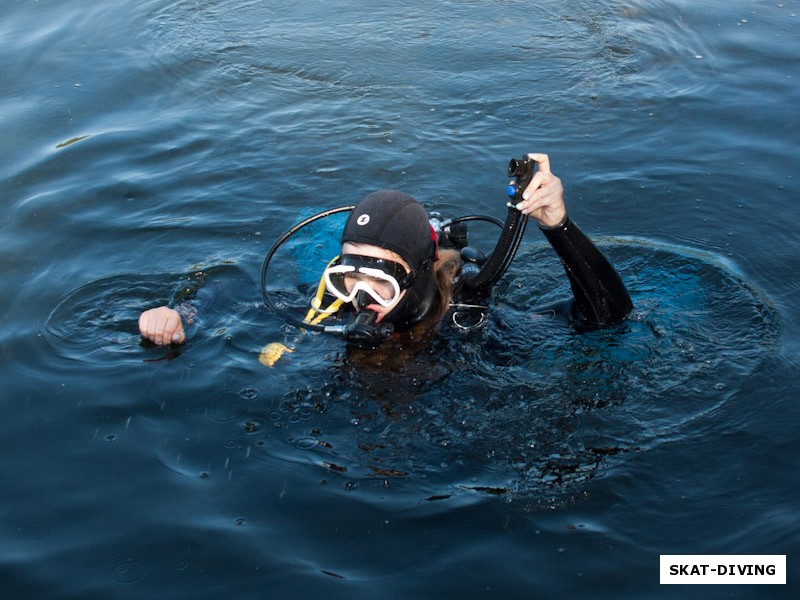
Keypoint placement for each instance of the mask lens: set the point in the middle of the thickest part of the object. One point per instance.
(335, 281)
(374, 276)
(381, 287)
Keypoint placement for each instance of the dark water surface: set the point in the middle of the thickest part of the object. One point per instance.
(153, 145)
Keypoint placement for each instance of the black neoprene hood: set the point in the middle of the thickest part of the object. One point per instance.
(395, 221)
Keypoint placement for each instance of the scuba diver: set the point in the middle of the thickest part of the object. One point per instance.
(400, 271)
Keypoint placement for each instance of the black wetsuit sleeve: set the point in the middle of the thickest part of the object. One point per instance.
(209, 293)
(193, 302)
(600, 296)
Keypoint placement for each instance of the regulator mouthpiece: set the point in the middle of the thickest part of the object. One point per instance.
(364, 332)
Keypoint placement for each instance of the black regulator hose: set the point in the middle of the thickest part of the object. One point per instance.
(486, 218)
(513, 228)
(363, 331)
(278, 243)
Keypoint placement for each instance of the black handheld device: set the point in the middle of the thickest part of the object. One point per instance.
(522, 170)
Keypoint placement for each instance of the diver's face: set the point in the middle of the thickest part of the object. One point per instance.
(374, 252)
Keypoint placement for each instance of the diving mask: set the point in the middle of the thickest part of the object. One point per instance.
(381, 279)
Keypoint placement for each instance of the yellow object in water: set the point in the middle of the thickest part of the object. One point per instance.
(272, 352)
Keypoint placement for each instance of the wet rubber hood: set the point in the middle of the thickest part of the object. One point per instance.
(394, 221)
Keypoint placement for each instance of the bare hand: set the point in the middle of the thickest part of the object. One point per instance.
(162, 326)
(543, 199)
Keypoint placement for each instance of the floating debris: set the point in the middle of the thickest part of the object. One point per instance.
(71, 141)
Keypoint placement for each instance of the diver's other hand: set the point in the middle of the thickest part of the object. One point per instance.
(162, 326)
(543, 199)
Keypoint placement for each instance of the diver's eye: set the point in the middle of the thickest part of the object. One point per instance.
(381, 287)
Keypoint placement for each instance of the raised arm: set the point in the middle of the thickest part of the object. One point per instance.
(600, 295)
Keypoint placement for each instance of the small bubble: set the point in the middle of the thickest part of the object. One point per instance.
(129, 572)
(203, 474)
(304, 443)
(350, 485)
(111, 438)
(241, 521)
(249, 394)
